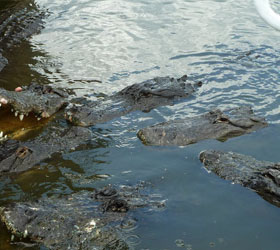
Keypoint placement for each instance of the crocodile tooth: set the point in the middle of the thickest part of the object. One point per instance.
(3, 100)
(5, 136)
(45, 114)
(39, 118)
(16, 113)
(1, 134)
(0, 104)
(12, 110)
(21, 116)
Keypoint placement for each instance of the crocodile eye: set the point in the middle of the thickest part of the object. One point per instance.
(223, 119)
(22, 152)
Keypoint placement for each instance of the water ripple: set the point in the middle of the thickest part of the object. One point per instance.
(223, 43)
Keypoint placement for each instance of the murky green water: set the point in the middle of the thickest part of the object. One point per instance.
(101, 46)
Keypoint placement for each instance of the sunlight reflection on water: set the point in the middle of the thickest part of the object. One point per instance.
(102, 46)
(223, 43)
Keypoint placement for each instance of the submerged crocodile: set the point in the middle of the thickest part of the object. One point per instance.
(260, 176)
(17, 156)
(143, 96)
(18, 21)
(84, 220)
(215, 124)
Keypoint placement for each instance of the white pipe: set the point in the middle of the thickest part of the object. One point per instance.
(267, 13)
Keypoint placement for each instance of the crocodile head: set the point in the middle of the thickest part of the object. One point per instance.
(31, 107)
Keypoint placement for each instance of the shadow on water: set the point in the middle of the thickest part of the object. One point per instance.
(122, 45)
(19, 71)
(19, 20)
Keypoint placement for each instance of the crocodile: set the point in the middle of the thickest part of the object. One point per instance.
(101, 219)
(260, 176)
(17, 156)
(31, 104)
(30, 107)
(42, 100)
(143, 96)
(215, 124)
(35, 102)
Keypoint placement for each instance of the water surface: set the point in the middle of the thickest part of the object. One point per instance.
(102, 46)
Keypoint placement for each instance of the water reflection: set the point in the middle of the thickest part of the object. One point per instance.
(102, 46)
(19, 71)
(224, 43)
(19, 19)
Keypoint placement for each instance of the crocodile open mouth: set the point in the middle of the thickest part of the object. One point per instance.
(28, 107)
(14, 124)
